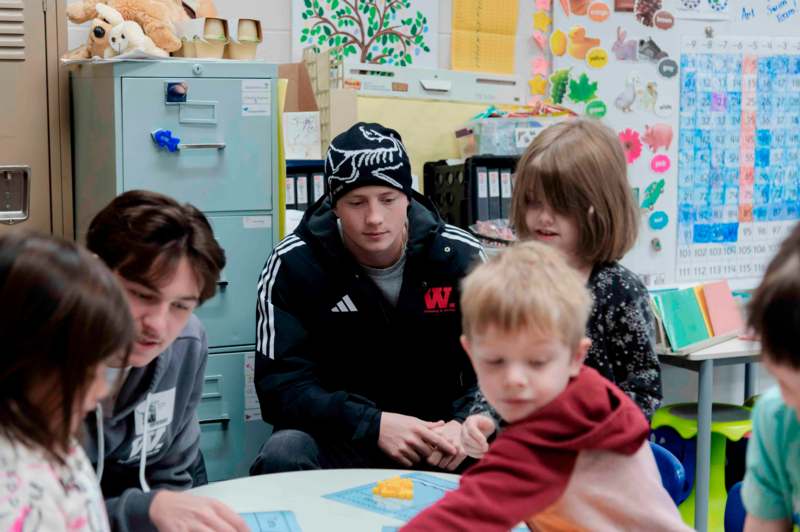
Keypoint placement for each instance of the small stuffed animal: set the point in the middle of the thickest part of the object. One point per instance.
(98, 40)
(156, 17)
(625, 50)
(128, 36)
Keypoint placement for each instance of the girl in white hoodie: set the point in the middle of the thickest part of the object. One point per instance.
(62, 318)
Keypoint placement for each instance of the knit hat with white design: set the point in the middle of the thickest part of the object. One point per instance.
(367, 154)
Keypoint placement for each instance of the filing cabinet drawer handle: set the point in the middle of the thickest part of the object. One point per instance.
(202, 146)
(224, 421)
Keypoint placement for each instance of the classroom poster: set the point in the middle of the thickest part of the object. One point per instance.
(484, 35)
(398, 33)
(739, 183)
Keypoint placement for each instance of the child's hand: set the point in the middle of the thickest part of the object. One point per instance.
(174, 511)
(449, 462)
(475, 433)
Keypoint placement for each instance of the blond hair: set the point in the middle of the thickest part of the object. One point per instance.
(528, 286)
(579, 169)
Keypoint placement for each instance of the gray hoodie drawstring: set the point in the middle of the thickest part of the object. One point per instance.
(101, 442)
(101, 451)
(143, 456)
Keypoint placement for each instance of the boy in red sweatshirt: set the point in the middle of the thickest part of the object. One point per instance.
(575, 454)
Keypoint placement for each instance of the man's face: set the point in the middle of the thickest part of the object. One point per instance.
(788, 380)
(374, 224)
(160, 313)
(520, 372)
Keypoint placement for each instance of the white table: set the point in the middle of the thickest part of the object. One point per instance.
(734, 351)
(302, 491)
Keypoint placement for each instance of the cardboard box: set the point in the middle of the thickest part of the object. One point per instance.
(201, 43)
(301, 120)
(243, 46)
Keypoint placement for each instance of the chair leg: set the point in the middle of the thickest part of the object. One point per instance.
(717, 493)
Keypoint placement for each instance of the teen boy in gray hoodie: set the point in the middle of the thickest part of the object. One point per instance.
(168, 262)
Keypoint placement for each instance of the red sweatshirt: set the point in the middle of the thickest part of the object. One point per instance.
(580, 462)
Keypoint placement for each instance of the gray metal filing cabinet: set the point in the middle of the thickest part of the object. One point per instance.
(203, 132)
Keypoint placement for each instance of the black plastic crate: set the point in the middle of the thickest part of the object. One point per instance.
(478, 189)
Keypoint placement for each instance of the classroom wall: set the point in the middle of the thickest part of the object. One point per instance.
(276, 21)
(679, 385)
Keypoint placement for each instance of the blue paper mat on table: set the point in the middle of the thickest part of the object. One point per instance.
(427, 490)
(271, 521)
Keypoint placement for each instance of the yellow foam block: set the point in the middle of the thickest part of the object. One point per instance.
(395, 488)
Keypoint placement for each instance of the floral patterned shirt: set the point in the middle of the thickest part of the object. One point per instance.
(37, 494)
(622, 329)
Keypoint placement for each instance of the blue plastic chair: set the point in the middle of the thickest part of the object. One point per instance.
(673, 475)
(734, 510)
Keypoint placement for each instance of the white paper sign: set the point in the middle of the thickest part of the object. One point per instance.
(256, 97)
(301, 135)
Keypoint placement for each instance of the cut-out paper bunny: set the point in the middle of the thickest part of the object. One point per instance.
(625, 50)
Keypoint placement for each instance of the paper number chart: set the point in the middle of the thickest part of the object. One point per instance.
(738, 173)
(427, 490)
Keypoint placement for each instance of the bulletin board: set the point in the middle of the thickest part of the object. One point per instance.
(433, 142)
(710, 125)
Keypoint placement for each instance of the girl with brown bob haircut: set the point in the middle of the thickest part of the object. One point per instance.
(63, 317)
(578, 169)
(572, 192)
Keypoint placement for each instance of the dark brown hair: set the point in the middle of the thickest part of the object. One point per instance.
(143, 235)
(578, 168)
(62, 314)
(774, 312)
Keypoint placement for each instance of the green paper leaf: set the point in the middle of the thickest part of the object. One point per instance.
(582, 90)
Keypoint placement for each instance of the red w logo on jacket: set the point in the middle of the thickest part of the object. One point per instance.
(437, 299)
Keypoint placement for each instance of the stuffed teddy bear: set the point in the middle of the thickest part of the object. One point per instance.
(156, 17)
(126, 35)
(98, 40)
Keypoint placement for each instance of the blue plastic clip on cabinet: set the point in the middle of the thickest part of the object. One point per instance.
(204, 133)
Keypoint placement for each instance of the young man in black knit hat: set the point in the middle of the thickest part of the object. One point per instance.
(358, 358)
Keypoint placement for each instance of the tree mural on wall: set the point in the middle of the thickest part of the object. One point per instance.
(374, 31)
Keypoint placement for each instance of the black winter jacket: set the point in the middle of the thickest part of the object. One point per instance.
(332, 353)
